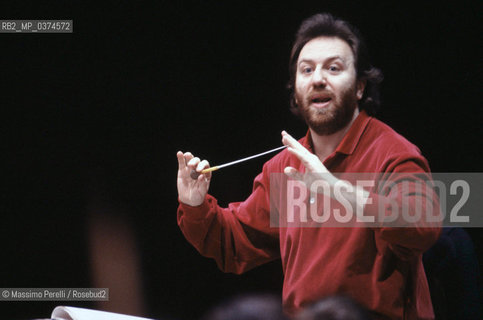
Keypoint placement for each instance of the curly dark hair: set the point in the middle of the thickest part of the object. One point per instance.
(325, 24)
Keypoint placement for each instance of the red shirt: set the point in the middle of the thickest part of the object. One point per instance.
(380, 267)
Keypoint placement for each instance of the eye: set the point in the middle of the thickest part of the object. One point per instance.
(306, 69)
(334, 68)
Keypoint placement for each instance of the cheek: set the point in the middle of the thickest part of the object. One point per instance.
(297, 90)
(300, 85)
(343, 85)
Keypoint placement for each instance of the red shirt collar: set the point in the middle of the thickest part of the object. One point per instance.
(351, 138)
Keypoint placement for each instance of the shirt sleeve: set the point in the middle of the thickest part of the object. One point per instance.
(239, 237)
(406, 207)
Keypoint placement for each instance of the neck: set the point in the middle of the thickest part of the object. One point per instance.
(324, 145)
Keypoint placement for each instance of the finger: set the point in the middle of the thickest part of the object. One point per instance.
(293, 173)
(188, 156)
(204, 177)
(303, 154)
(195, 173)
(305, 158)
(181, 160)
(288, 140)
(202, 165)
(193, 162)
(299, 154)
(310, 161)
(289, 171)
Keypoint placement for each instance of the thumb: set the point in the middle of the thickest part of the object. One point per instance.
(292, 173)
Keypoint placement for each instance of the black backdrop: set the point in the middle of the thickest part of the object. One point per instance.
(100, 113)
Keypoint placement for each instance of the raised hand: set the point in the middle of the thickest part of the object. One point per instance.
(312, 163)
(192, 191)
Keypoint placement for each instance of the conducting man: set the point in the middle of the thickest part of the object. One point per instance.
(334, 89)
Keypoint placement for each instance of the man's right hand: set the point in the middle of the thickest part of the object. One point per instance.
(192, 191)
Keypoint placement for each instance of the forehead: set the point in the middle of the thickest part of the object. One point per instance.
(322, 48)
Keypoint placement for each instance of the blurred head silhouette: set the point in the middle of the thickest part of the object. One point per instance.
(248, 307)
(334, 308)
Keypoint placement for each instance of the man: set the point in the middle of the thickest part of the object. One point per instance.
(335, 91)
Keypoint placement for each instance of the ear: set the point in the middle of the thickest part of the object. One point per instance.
(361, 85)
(293, 99)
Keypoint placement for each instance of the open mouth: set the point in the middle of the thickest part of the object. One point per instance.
(320, 101)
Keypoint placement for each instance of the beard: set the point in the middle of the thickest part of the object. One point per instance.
(335, 117)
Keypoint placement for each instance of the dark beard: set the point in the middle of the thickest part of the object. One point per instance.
(329, 121)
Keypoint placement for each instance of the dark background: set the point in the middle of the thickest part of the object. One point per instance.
(98, 115)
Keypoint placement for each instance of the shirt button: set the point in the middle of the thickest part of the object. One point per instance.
(312, 200)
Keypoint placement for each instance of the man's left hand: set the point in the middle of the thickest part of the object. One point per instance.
(311, 162)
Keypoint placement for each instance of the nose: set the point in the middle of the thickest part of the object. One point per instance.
(318, 77)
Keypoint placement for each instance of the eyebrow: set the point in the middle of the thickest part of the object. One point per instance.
(332, 58)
